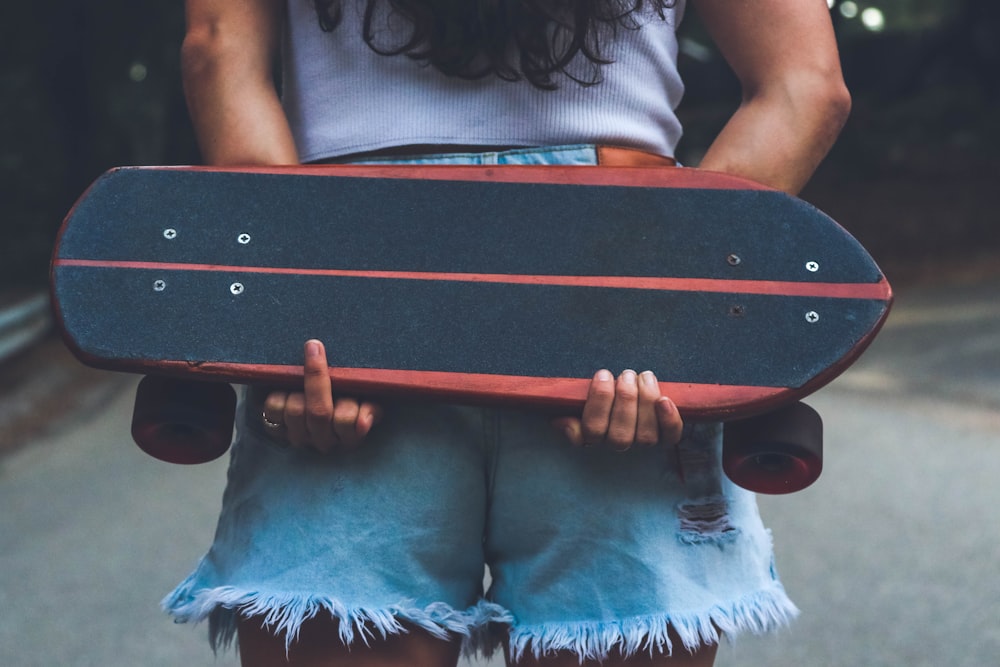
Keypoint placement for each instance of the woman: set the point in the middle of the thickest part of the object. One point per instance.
(356, 533)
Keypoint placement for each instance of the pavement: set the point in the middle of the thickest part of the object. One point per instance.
(44, 391)
(24, 319)
(892, 556)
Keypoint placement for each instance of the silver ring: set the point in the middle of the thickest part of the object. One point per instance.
(270, 424)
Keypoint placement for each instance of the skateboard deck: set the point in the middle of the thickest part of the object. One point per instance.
(489, 285)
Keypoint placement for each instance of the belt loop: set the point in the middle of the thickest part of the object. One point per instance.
(616, 156)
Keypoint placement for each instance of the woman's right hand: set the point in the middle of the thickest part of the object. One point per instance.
(314, 418)
(624, 413)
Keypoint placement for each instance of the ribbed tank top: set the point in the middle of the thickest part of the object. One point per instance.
(341, 97)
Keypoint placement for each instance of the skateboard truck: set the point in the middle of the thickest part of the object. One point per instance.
(190, 422)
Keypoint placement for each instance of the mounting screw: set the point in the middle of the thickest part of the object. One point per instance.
(737, 311)
(243, 239)
(170, 234)
(159, 285)
(236, 288)
(812, 317)
(812, 267)
(734, 260)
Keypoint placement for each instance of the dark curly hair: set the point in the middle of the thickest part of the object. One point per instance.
(511, 39)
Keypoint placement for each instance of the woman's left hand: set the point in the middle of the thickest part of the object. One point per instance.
(315, 418)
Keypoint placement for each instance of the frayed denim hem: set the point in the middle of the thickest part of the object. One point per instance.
(284, 613)
(757, 614)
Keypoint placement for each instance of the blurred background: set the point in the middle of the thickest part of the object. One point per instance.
(86, 85)
(913, 172)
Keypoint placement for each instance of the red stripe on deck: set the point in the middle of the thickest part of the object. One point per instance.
(879, 290)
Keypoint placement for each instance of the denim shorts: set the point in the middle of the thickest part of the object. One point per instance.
(588, 550)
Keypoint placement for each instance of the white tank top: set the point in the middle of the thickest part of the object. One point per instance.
(341, 97)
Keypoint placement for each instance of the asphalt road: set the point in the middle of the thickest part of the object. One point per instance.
(893, 556)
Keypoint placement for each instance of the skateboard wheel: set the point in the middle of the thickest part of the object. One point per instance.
(180, 421)
(777, 452)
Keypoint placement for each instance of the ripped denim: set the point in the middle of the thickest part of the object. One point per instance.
(589, 550)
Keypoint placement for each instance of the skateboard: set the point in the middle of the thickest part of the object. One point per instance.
(504, 285)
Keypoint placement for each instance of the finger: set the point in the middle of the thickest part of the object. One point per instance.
(319, 408)
(345, 422)
(369, 415)
(571, 428)
(647, 430)
(274, 403)
(597, 409)
(624, 413)
(273, 410)
(670, 421)
(295, 419)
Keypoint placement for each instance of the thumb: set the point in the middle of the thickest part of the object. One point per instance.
(572, 428)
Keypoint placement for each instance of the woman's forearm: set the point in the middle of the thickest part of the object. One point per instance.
(794, 99)
(779, 138)
(227, 61)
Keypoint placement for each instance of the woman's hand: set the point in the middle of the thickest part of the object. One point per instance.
(624, 413)
(314, 418)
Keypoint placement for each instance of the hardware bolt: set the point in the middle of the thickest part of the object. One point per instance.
(243, 239)
(812, 267)
(236, 288)
(734, 260)
(812, 317)
(170, 234)
(159, 285)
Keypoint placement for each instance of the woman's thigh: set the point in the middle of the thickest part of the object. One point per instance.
(319, 645)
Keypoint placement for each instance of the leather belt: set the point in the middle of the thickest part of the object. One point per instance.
(615, 156)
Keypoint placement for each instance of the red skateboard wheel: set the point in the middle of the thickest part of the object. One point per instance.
(181, 421)
(777, 452)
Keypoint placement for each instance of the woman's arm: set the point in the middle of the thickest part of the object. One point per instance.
(794, 105)
(230, 50)
(794, 99)
(227, 63)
